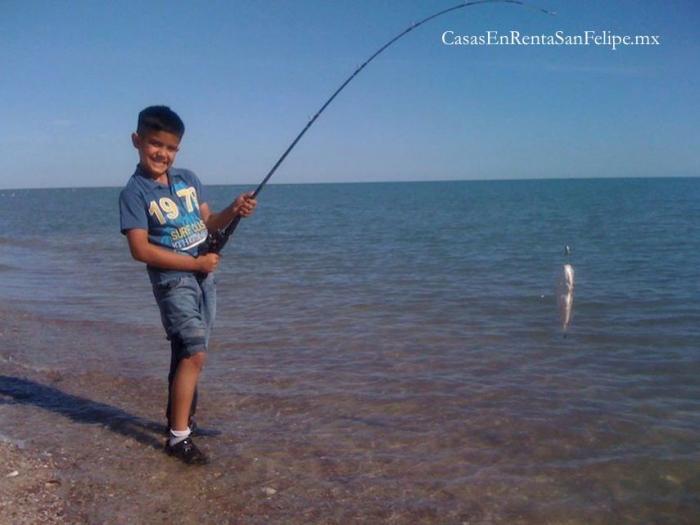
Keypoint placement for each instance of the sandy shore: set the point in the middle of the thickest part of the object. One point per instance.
(87, 448)
(29, 487)
(81, 425)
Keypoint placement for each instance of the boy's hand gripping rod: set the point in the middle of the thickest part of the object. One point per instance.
(217, 240)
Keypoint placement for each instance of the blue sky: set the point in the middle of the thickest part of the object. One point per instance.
(246, 75)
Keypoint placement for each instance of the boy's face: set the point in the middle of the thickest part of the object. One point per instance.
(157, 150)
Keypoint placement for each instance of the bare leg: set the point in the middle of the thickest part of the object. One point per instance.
(174, 362)
(183, 388)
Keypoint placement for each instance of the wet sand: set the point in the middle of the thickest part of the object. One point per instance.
(29, 484)
(102, 447)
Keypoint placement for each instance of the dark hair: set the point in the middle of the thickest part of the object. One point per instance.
(160, 118)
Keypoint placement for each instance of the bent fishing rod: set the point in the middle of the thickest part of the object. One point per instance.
(217, 240)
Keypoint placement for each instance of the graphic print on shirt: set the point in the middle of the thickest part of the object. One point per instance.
(178, 218)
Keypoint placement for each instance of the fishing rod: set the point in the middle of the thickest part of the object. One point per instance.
(218, 239)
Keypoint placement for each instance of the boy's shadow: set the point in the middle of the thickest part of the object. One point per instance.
(81, 410)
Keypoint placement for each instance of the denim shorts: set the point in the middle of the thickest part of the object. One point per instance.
(187, 309)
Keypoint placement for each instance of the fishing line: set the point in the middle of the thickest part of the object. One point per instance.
(217, 240)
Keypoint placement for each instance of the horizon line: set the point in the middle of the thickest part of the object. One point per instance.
(302, 183)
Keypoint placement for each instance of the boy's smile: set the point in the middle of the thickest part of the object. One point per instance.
(157, 151)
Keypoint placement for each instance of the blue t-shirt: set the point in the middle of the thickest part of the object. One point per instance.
(170, 214)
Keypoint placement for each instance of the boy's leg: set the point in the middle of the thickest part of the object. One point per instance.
(207, 306)
(188, 307)
(171, 377)
(175, 358)
(183, 389)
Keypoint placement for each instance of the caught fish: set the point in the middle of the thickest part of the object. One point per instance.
(566, 296)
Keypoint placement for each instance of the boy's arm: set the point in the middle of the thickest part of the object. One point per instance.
(243, 206)
(153, 255)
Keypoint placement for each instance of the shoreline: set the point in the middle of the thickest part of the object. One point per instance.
(290, 454)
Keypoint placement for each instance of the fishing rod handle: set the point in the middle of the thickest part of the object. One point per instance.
(218, 239)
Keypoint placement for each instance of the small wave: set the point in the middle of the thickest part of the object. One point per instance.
(25, 242)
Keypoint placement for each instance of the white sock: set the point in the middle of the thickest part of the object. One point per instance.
(178, 435)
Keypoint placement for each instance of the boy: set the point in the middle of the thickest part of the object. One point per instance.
(166, 219)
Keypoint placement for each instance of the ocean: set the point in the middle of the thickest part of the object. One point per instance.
(383, 352)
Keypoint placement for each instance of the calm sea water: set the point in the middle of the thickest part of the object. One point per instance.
(410, 332)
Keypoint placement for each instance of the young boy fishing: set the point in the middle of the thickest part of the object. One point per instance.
(166, 219)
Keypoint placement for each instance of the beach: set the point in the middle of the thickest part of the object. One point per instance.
(381, 370)
(28, 489)
(82, 458)
(86, 456)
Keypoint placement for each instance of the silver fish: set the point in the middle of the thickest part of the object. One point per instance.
(566, 296)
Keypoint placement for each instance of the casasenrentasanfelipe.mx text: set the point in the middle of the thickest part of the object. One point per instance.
(559, 38)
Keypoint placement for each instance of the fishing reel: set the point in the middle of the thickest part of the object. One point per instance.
(215, 242)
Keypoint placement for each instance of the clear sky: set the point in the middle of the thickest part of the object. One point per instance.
(246, 75)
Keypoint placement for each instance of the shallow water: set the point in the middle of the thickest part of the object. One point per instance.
(383, 352)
